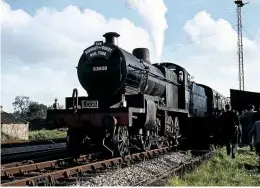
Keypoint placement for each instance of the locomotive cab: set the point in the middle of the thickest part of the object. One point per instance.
(184, 87)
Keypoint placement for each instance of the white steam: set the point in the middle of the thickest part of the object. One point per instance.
(154, 14)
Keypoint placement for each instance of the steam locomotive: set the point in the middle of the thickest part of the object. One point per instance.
(133, 104)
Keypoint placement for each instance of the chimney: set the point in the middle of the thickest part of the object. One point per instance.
(111, 38)
(142, 53)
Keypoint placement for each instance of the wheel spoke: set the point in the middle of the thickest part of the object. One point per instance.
(120, 146)
(121, 140)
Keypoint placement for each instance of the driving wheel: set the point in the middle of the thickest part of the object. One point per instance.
(121, 141)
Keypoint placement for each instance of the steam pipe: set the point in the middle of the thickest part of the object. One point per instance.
(75, 95)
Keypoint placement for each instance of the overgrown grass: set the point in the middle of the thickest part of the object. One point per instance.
(47, 134)
(222, 170)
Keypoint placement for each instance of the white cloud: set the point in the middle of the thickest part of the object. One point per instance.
(40, 52)
(154, 14)
(215, 62)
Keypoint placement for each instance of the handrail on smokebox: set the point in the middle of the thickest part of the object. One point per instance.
(75, 94)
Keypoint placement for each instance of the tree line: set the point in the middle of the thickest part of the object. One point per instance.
(28, 110)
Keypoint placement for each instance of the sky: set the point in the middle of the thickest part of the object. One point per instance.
(42, 41)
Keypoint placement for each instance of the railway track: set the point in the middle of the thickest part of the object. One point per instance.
(161, 179)
(23, 143)
(65, 171)
(35, 152)
(59, 171)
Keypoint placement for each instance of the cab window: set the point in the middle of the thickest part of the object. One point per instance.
(181, 76)
(189, 82)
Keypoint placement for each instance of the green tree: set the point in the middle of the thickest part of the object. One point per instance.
(28, 110)
(36, 110)
(21, 104)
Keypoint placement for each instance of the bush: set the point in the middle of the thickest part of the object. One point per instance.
(47, 134)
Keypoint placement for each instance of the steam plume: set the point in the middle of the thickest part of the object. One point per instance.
(154, 14)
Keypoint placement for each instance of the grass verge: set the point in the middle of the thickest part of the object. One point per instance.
(47, 134)
(222, 170)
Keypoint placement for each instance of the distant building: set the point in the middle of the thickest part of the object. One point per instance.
(13, 127)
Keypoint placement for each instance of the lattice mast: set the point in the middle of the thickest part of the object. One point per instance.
(240, 4)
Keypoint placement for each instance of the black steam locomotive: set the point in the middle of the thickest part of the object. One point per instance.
(133, 104)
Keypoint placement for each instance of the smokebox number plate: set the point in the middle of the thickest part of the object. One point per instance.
(89, 104)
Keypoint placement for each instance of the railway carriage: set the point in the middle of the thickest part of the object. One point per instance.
(241, 99)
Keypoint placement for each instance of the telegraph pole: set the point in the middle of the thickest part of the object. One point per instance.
(240, 4)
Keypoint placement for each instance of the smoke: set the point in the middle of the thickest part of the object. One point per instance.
(154, 14)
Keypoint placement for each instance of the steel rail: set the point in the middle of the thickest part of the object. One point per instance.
(50, 177)
(11, 171)
(30, 151)
(37, 156)
(17, 143)
(179, 169)
(16, 164)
